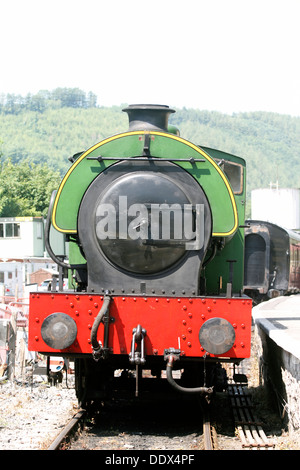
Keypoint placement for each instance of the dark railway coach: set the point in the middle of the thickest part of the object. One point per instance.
(154, 225)
(272, 260)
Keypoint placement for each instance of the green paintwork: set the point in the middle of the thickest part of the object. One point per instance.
(234, 247)
(162, 145)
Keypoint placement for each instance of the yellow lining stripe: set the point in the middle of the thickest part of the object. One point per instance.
(162, 134)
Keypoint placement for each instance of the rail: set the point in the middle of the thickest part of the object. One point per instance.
(209, 443)
(67, 430)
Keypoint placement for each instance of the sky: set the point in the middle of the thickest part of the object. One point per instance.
(228, 56)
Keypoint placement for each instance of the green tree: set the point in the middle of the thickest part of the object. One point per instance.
(25, 188)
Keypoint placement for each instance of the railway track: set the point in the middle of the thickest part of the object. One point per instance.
(65, 440)
(113, 429)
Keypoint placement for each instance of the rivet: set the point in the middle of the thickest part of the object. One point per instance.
(242, 345)
(189, 344)
(190, 315)
(243, 325)
(52, 296)
(183, 322)
(77, 297)
(95, 305)
(89, 326)
(183, 336)
(202, 316)
(234, 325)
(76, 313)
(37, 320)
(203, 301)
(36, 338)
(71, 305)
(179, 300)
(190, 330)
(184, 307)
(90, 312)
(208, 309)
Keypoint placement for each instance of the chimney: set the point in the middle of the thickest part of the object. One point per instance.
(148, 117)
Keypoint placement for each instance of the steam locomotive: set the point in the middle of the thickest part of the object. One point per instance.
(155, 229)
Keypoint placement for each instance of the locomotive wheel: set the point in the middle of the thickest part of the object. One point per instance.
(92, 380)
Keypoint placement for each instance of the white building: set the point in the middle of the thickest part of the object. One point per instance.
(22, 252)
(15, 275)
(21, 237)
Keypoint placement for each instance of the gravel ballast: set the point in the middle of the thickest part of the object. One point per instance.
(32, 416)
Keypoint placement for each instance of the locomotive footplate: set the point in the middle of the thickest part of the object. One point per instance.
(198, 327)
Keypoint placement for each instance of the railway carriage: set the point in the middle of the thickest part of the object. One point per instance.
(155, 228)
(272, 260)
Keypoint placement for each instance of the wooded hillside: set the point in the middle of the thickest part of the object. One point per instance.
(49, 127)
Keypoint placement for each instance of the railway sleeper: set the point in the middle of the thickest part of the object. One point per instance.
(249, 429)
